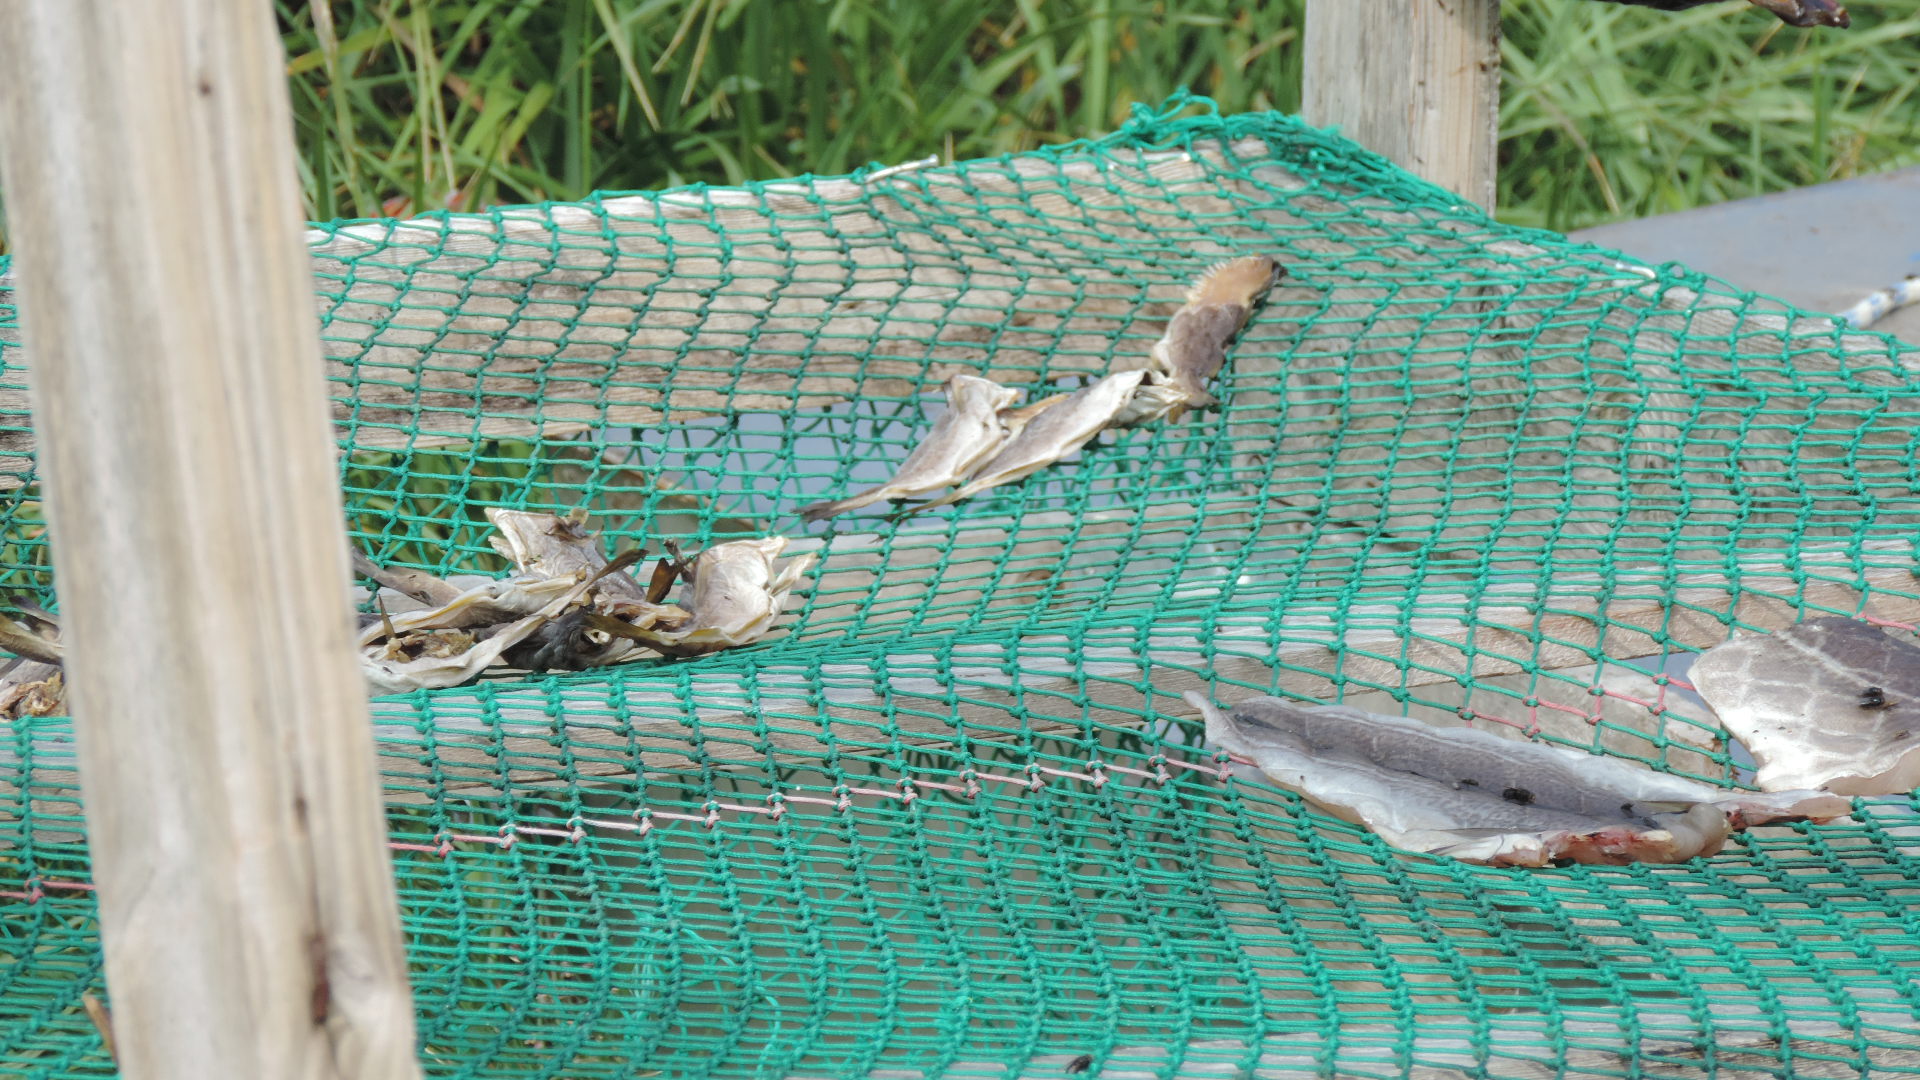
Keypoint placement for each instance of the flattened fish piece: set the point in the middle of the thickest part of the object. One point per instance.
(32, 688)
(543, 545)
(964, 436)
(487, 604)
(1477, 797)
(1194, 347)
(1830, 702)
(1055, 432)
(736, 597)
(422, 586)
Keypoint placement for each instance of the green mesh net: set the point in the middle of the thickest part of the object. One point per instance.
(957, 821)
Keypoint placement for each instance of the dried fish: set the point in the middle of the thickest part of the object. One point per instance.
(1058, 430)
(432, 659)
(1480, 798)
(21, 641)
(546, 546)
(1830, 702)
(1194, 347)
(964, 436)
(736, 596)
(422, 586)
(490, 603)
(32, 688)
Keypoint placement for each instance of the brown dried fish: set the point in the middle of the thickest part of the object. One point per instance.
(1194, 347)
(735, 598)
(965, 435)
(1058, 430)
(1475, 796)
(1829, 702)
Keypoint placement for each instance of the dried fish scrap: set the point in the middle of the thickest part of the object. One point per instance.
(32, 684)
(1830, 702)
(736, 596)
(569, 608)
(449, 645)
(963, 437)
(1477, 797)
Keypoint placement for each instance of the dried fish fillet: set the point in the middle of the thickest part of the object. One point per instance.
(1831, 703)
(546, 546)
(1055, 432)
(736, 597)
(1194, 347)
(1480, 798)
(964, 436)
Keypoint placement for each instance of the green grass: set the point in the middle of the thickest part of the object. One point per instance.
(1609, 112)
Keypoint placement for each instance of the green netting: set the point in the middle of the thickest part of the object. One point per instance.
(954, 823)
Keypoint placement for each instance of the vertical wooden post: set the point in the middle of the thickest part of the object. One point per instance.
(1415, 80)
(246, 896)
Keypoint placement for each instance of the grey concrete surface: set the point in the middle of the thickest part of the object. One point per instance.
(1821, 248)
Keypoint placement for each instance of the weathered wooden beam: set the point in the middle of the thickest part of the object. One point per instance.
(1415, 80)
(247, 901)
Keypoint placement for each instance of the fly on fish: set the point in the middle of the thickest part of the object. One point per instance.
(1477, 797)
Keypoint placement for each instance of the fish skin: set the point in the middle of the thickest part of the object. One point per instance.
(1194, 347)
(965, 435)
(1055, 432)
(1793, 699)
(1410, 783)
(735, 599)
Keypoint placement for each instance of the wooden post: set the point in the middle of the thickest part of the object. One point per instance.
(246, 895)
(1415, 80)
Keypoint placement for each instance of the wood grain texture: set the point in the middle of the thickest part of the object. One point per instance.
(246, 897)
(1417, 81)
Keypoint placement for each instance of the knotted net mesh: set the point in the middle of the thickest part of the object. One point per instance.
(956, 820)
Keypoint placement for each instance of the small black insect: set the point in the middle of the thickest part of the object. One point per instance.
(1518, 795)
(1470, 783)
(1080, 1064)
(1875, 698)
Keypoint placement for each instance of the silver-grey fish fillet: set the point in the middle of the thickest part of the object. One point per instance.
(1475, 796)
(1055, 432)
(960, 439)
(1830, 702)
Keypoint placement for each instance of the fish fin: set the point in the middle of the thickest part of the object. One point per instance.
(1238, 281)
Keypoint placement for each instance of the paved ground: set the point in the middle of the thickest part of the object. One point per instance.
(1821, 248)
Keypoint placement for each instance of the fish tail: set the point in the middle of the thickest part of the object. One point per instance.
(821, 511)
(1235, 281)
